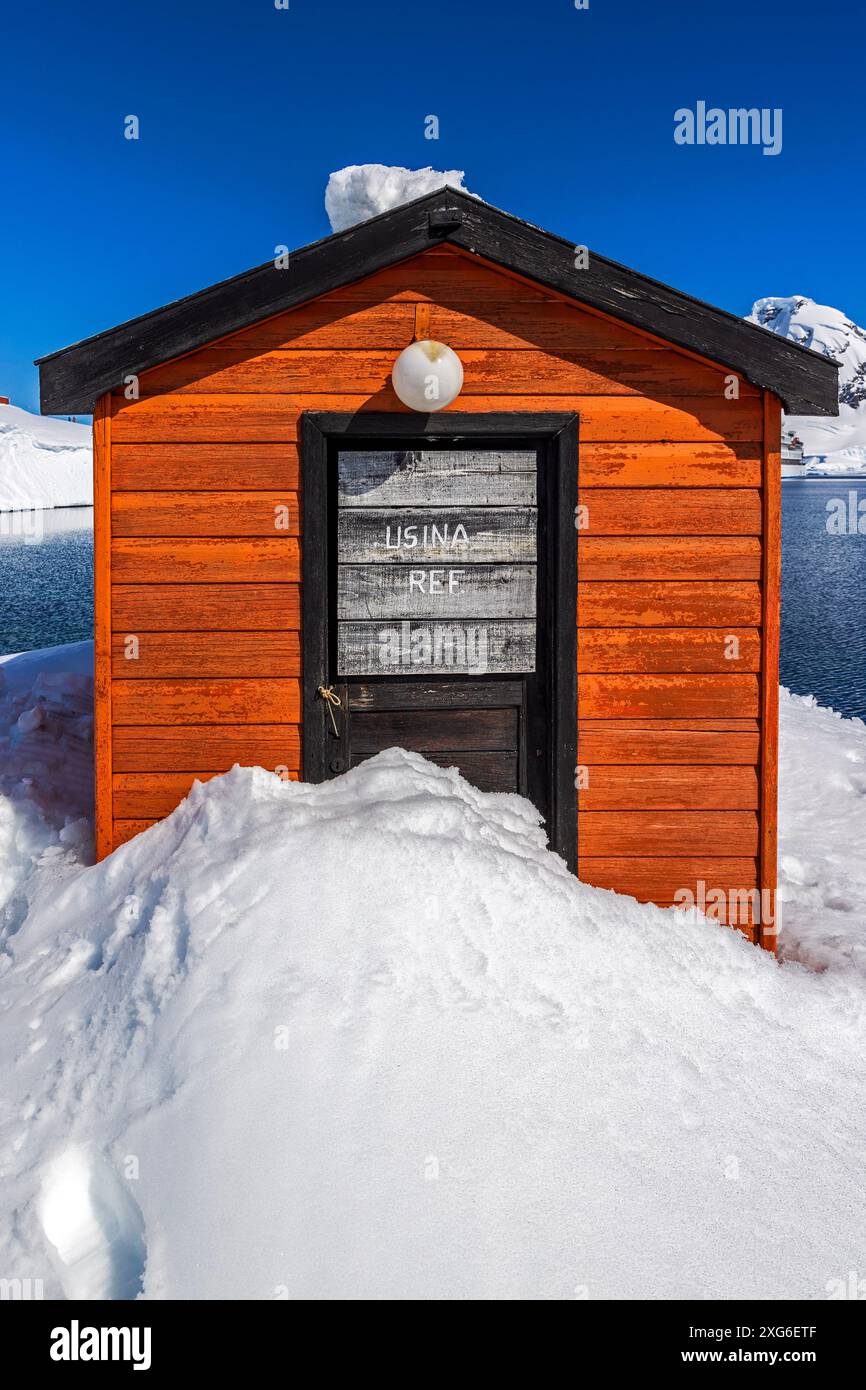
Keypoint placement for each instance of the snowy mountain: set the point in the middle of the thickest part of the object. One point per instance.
(43, 462)
(361, 191)
(831, 445)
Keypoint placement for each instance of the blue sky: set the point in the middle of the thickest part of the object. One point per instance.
(564, 117)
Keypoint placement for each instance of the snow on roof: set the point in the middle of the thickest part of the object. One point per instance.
(361, 191)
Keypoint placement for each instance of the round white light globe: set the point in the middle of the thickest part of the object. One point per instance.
(427, 375)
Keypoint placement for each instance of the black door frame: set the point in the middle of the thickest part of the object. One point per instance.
(556, 434)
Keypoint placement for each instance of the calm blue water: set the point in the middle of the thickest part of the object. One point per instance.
(46, 584)
(46, 590)
(824, 594)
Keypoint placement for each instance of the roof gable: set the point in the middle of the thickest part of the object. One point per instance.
(72, 379)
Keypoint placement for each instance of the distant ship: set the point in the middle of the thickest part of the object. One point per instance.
(792, 456)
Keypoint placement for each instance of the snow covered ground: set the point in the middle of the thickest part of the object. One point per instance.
(822, 865)
(43, 462)
(832, 444)
(370, 1039)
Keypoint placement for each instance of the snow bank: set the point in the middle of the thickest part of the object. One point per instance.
(43, 462)
(46, 728)
(831, 444)
(46, 775)
(370, 1039)
(361, 191)
(822, 834)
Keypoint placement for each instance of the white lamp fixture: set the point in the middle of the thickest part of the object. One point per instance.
(427, 375)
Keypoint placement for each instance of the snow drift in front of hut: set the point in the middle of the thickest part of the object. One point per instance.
(370, 1039)
(361, 191)
(43, 462)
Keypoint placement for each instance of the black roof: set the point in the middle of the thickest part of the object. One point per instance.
(72, 379)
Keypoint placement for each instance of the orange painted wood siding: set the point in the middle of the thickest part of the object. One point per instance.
(197, 523)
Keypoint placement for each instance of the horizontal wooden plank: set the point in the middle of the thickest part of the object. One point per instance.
(205, 747)
(740, 726)
(636, 371)
(205, 514)
(205, 467)
(489, 772)
(443, 279)
(666, 557)
(206, 419)
(685, 419)
(266, 418)
(720, 604)
(694, 696)
(185, 560)
(207, 701)
(148, 795)
(152, 795)
(125, 830)
(160, 655)
(505, 322)
(670, 465)
(659, 881)
(435, 694)
(650, 833)
(716, 511)
(435, 731)
(658, 788)
(409, 591)
(332, 323)
(669, 650)
(229, 370)
(550, 325)
(641, 371)
(437, 478)
(481, 647)
(253, 466)
(608, 742)
(409, 536)
(654, 878)
(137, 608)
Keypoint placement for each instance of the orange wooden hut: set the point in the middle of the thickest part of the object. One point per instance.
(258, 482)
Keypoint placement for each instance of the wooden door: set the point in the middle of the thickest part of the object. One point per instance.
(431, 603)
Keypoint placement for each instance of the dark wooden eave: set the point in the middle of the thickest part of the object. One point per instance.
(73, 379)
